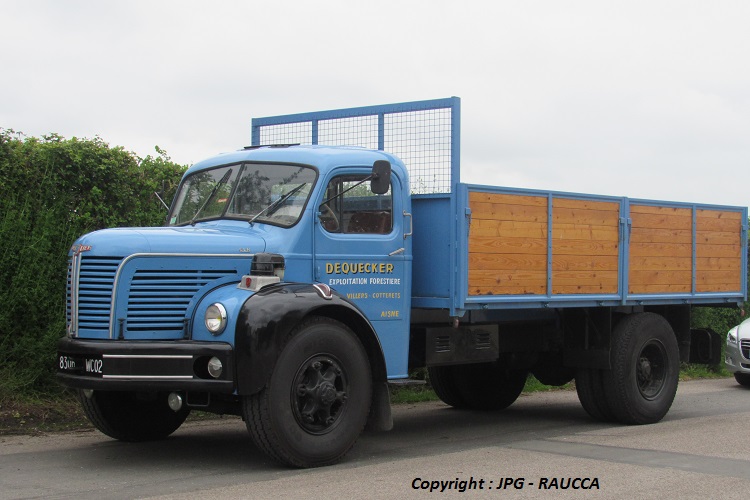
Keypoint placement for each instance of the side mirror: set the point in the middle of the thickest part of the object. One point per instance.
(381, 177)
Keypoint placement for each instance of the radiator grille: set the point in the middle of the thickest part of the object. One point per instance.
(158, 299)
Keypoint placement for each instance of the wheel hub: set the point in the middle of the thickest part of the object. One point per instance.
(319, 394)
(651, 370)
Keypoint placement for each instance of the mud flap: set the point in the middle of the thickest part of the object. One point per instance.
(705, 346)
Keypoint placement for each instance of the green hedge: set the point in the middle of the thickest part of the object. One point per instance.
(53, 190)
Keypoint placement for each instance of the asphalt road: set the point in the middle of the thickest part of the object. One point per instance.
(534, 449)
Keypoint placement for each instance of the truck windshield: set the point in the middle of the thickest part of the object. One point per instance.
(274, 194)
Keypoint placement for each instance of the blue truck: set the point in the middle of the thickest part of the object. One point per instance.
(296, 279)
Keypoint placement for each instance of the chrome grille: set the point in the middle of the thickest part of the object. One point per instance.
(745, 348)
(89, 291)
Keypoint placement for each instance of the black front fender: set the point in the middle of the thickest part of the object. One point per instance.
(268, 317)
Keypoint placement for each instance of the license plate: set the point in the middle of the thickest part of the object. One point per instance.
(81, 365)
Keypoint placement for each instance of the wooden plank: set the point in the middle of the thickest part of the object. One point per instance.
(584, 232)
(526, 261)
(584, 262)
(667, 277)
(660, 288)
(508, 199)
(718, 214)
(708, 288)
(718, 264)
(483, 282)
(729, 278)
(662, 210)
(661, 264)
(661, 235)
(493, 244)
(661, 249)
(583, 289)
(584, 247)
(501, 211)
(558, 202)
(729, 251)
(589, 217)
(507, 229)
(718, 224)
(717, 238)
(664, 220)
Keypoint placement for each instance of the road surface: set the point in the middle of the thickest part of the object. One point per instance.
(544, 446)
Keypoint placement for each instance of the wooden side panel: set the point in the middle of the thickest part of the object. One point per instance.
(661, 242)
(510, 237)
(585, 239)
(507, 244)
(718, 250)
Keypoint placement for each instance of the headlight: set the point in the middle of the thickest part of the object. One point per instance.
(216, 318)
(732, 336)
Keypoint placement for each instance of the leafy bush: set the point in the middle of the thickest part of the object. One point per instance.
(53, 190)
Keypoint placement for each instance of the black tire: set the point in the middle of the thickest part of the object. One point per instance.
(645, 369)
(130, 416)
(742, 378)
(443, 382)
(318, 397)
(489, 386)
(591, 394)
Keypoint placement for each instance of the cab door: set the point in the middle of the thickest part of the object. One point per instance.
(361, 252)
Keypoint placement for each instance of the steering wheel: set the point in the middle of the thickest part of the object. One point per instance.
(328, 219)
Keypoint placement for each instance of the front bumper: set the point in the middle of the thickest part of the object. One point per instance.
(144, 366)
(737, 356)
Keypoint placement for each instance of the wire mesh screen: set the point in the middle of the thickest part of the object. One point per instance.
(359, 131)
(423, 134)
(422, 139)
(287, 133)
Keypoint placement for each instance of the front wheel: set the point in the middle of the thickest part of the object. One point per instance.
(132, 416)
(318, 397)
(645, 370)
(742, 378)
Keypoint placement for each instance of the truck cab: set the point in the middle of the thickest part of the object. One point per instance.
(260, 246)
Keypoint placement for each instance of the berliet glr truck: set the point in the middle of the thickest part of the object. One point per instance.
(298, 277)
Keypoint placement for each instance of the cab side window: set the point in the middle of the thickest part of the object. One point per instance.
(351, 208)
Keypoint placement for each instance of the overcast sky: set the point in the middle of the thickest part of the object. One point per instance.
(647, 99)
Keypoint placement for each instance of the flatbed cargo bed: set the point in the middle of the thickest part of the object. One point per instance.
(512, 248)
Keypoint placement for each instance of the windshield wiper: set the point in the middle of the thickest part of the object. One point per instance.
(278, 202)
(221, 182)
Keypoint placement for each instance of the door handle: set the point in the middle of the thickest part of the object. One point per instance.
(411, 224)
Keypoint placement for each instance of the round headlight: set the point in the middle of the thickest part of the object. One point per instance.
(216, 318)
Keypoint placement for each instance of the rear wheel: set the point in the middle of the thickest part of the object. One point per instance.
(478, 386)
(591, 394)
(645, 370)
(444, 383)
(318, 397)
(130, 416)
(491, 386)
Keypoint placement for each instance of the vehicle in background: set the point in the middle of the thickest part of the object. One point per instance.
(737, 354)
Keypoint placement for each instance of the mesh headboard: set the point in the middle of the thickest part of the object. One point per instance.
(424, 134)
